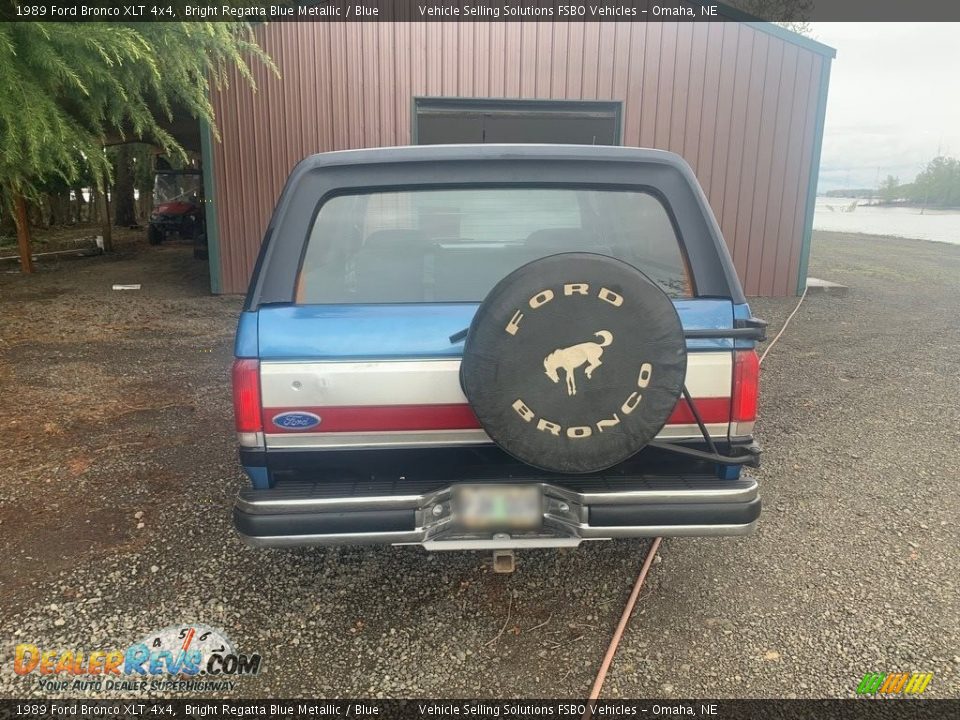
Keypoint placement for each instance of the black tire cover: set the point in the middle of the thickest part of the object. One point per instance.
(585, 312)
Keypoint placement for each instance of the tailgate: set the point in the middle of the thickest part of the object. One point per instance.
(387, 376)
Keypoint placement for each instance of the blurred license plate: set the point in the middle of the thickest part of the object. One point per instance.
(507, 507)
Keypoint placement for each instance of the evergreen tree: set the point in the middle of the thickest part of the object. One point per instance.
(66, 87)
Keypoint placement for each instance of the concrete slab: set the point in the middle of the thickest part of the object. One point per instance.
(825, 287)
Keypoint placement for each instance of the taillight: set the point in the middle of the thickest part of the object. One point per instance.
(246, 396)
(746, 386)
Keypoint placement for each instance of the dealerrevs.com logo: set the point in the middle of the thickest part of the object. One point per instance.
(190, 658)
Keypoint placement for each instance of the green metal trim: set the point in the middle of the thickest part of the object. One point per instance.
(480, 104)
(210, 211)
(414, 130)
(619, 121)
(814, 177)
(795, 38)
(770, 28)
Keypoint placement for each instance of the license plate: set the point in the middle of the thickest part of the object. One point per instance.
(498, 507)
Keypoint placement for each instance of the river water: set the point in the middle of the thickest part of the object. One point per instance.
(839, 215)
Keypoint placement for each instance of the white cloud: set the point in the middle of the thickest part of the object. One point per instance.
(894, 100)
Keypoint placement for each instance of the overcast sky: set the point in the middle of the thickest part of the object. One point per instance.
(894, 98)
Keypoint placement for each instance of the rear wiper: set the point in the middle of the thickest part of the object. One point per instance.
(749, 328)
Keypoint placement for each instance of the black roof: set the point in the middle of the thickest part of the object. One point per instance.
(504, 151)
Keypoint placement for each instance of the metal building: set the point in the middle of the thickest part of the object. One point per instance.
(744, 103)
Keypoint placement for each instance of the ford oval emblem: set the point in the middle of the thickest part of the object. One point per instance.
(296, 420)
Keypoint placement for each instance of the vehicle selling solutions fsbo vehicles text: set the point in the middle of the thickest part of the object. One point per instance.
(497, 11)
(560, 11)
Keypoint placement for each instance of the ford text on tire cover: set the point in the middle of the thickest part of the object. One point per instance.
(476, 347)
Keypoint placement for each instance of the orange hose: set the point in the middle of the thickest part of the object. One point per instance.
(621, 626)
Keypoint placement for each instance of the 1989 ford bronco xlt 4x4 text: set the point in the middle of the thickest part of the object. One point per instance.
(494, 347)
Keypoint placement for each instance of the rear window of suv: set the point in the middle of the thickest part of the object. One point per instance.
(454, 245)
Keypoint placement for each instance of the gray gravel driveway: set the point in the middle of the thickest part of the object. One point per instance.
(118, 473)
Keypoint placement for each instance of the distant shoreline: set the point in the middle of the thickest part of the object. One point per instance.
(873, 202)
(883, 236)
(910, 204)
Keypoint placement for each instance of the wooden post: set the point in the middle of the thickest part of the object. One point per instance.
(23, 232)
(107, 221)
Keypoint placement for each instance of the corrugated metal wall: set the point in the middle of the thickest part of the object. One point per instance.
(740, 104)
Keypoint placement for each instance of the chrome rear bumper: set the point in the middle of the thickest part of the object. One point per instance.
(290, 517)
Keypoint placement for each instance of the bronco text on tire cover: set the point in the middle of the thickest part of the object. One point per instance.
(574, 362)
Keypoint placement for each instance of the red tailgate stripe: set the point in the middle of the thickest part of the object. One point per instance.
(712, 410)
(386, 418)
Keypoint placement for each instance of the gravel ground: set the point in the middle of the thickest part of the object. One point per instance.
(118, 473)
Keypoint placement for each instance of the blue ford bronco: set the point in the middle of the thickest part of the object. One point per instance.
(494, 347)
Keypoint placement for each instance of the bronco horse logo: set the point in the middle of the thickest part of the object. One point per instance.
(570, 358)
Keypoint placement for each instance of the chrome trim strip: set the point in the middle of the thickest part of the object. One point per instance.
(718, 431)
(667, 531)
(270, 506)
(415, 537)
(369, 440)
(647, 497)
(738, 492)
(250, 439)
(437, 438)
(380, 538)
(498, 543)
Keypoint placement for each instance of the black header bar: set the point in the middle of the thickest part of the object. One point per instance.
(477, 10)
(491, 709)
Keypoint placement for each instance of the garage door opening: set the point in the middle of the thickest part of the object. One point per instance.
(480, 120)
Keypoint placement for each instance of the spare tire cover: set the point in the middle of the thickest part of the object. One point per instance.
(574, 362)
